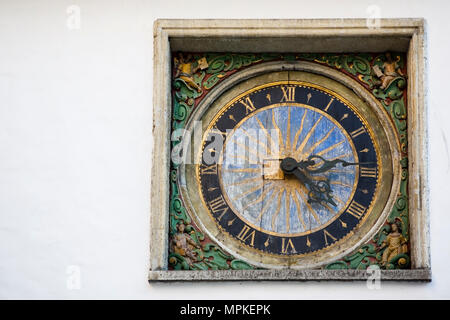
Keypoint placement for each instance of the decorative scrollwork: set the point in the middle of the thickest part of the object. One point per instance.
(187, 253)
(194, 74)
(221, 64)
(382, 74)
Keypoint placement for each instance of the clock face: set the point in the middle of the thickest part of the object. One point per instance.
(291, 169)
(288, 168)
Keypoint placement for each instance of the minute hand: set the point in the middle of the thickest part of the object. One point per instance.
(329, 164)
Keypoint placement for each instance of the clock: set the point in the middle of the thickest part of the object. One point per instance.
(289, 150)
(291, 169)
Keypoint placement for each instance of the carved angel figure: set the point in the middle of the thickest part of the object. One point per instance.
(183, 244)
(185, 70)
(394, 243)
(391, 70)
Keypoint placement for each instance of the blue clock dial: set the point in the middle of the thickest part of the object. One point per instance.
(280, 205)
(297, 172)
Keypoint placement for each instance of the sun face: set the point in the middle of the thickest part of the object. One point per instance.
(256, 187)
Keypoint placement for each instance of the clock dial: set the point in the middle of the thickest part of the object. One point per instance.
(297, 170)
(261, 193)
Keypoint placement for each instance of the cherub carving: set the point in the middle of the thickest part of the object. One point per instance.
(390, 70)
(394, 243)
(185, 70)
(183, 245)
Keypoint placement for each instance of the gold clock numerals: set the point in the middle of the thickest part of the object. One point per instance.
(287, 246)
(368, 172)
(246, 234)
(215, 131)
(357, 210)
(248, 104)
(218, 206)
(328, 105)
(212, 169)
(358, 132)
(327, 236)
(288, 94)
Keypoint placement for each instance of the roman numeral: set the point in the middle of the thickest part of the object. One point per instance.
(212, 169)
(288, 94)
(216, 130)
(328, 105)
(356, 209)
(248, 104)
(357, 132)
(287, 246)
(327, 235)
(244, 235)
(368, 172)
(218, 206)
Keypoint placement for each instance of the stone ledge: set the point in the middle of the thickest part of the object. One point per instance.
(289, 274)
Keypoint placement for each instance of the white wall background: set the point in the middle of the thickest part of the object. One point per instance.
(75, 147)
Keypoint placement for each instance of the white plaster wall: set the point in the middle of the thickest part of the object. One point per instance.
(75, 147)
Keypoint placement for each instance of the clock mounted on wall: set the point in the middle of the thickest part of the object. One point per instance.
(287, 161)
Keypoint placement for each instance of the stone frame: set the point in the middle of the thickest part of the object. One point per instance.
(321, 35)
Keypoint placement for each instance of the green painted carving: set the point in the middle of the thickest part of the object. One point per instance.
(221, 64)
(184, 98)
(202, 257)
(210, 69)
(196, 256)
(189, 249)
(355, 64)
(361, 259)
(388, 249)
(380, 74)
(207, 257)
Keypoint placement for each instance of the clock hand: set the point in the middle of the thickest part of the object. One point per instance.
(328, 164)
(319, 192)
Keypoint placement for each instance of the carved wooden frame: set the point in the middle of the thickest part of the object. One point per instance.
(321, 35)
